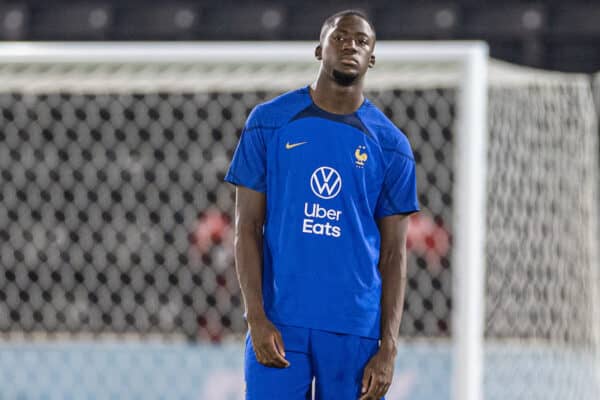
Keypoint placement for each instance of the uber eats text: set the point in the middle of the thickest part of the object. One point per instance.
(321, 221)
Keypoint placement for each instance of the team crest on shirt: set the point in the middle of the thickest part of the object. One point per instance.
(361, 156)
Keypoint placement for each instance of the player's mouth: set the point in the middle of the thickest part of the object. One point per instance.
(349, 61)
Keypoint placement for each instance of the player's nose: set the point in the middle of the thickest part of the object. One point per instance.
(349, 47)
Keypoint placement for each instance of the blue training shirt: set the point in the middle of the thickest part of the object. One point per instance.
(327, 179)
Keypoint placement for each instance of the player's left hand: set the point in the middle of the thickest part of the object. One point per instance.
(377, 376)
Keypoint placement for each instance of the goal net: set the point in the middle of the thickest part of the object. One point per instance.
(542, 285)
(116, 227)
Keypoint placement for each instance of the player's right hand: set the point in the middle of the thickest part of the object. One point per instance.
(267, 343)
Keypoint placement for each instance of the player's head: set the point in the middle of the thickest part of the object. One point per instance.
(346, 46)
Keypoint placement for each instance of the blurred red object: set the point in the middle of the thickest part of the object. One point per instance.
(428, 238)
(213, 227)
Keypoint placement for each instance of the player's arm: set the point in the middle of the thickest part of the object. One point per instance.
(248, 242)
(392, 267)
(378, 373)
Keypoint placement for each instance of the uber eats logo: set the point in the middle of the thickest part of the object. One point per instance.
(325, 183)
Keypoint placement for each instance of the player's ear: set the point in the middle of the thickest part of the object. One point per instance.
(319, 52)
(372, 61)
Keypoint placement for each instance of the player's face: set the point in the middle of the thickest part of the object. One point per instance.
(347, 49)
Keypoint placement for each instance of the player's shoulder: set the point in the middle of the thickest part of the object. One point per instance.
(279, 110)
(386, 133)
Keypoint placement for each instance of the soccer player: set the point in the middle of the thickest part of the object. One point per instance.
(324, 185)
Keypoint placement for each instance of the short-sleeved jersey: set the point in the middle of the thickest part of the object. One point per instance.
(328, 178)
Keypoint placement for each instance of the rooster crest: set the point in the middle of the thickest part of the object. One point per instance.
(361, 158)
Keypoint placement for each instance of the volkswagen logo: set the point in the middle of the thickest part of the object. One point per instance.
(326, 182)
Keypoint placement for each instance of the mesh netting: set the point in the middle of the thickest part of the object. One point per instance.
(549, 208)
(116, 218)
(542, 274)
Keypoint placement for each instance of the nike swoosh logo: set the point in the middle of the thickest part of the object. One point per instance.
(291, 146)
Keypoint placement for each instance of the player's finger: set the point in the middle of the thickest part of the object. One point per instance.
(379, 390)
(366, 383)
(264, 357)
(372, 393)
(267, 360)
(275, 357)
(275, 361)
(384, 389)
(260, 356)
(374, 386)
(279, 343)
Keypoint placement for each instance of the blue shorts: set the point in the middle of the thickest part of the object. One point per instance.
(336, 362)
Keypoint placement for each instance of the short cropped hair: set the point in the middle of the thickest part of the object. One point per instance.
(330, 21)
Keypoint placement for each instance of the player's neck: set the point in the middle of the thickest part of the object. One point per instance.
(334, 98)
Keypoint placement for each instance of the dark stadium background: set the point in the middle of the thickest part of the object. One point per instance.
(561, 35)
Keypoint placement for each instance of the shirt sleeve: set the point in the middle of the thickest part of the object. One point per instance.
(399, 190)
(248, 166)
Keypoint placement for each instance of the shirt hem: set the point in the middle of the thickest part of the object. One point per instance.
(367, 332)
(238, 183)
